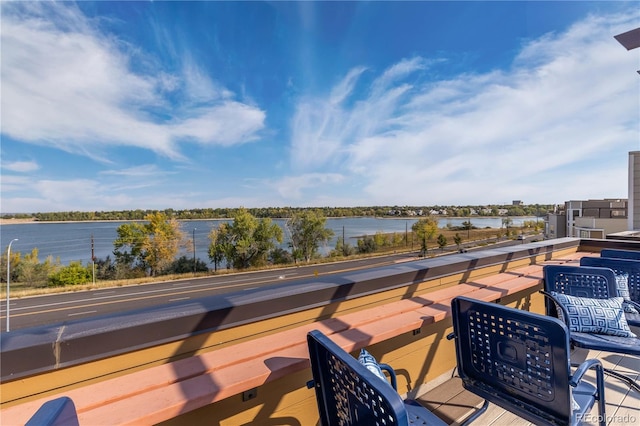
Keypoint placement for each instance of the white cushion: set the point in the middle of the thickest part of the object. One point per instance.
(372, 365)
(622, 285)
(600, 316)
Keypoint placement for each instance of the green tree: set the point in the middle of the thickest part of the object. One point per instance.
(33, 273)
(367, 244)
(458, 240)
(442, 242)
(106, 269)
(16, 259)
(218, 245)
(73, 274)
(162, 242)
(280, 256)
(425, 229)
(342, 249)
(308, 231)
(247, 241)
(150, 246)
(398, 239)
(381, 239)
(184, 264)
(128, 246)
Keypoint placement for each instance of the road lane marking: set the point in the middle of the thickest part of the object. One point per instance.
(212, 286)
(239, 282)
(82, 313)
(110, 302)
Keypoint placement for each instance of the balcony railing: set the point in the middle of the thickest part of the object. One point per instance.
(241, 358)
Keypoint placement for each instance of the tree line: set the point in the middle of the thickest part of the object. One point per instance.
(150, 247)
(288, 212)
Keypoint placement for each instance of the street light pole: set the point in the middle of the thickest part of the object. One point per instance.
(9, 277)
(194, 251)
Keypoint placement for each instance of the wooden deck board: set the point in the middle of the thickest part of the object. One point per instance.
(622, 403)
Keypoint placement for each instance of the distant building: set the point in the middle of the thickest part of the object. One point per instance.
(517, 203)
(555, 225)
(633, 220)
(588, 219)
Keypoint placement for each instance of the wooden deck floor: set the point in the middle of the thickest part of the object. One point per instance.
(623, 403)
(453, 403)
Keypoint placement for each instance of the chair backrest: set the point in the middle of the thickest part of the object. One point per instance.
(57, 412)
(346, 391)
(619, 266)
(515, 359)
(620, 254)
(579, 281)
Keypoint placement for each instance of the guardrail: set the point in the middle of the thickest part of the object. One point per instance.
(42, 349)
(61, 346)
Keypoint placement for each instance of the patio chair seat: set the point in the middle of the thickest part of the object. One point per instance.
(633, 319)
(604, 342)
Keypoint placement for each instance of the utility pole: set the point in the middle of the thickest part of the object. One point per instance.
(93, 261)
(194, 251)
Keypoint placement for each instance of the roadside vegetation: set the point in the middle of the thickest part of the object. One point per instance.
(147, 249)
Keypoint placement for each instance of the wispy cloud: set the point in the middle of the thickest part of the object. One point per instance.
(147, 170)
(567, 99)
(72, 86)
(293, 187)
(21, 166)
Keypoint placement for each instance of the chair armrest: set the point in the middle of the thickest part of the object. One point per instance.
(635, 304)
(583, 368)
(559, 306)
(392, 375)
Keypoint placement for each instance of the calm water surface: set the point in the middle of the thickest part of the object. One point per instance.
(74, 241)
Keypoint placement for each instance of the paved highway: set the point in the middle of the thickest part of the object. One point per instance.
(55, 308)
(50, 309)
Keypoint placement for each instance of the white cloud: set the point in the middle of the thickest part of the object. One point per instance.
(137, 171)
(71, 86)
(293, 187)
(225, 124)
(569, 99)
(21, 166)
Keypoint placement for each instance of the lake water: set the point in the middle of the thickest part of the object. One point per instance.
(72, 241)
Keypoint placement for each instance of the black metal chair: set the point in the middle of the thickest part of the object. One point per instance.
(630, 268)
(519, 361)
(348, 393)
(593, 283)
(620, 254)
(589, 282)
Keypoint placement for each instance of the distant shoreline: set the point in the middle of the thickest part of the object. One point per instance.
(14, 221)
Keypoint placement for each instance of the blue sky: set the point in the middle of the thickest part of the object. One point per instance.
(153, 105)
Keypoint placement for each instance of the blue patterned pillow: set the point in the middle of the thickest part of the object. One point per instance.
(372, 365)
(622, 284)
(600, 316)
